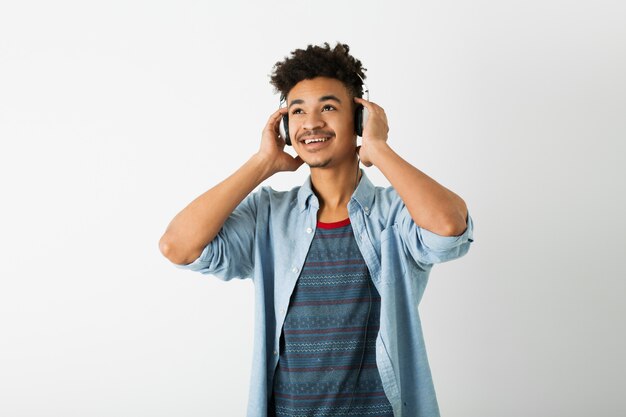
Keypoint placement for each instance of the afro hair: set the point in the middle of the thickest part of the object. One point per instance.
(319, 61)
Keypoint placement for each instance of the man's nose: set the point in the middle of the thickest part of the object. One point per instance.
(313, 121)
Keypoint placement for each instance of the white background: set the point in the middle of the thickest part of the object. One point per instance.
(114, 115)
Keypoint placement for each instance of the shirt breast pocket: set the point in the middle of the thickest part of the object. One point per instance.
(393, 258)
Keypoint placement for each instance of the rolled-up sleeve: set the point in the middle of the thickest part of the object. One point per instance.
(230, 254)
(430, 248)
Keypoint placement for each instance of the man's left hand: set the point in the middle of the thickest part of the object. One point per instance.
(374, 132)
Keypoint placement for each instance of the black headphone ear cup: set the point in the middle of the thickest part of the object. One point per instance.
(285, 130)
(358, 120)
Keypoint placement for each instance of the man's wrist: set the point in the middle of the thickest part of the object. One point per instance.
(263, 165)
(377, 150)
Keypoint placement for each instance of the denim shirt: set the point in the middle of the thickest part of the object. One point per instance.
(267, 238)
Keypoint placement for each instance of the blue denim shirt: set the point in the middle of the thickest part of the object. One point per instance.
(267, 238)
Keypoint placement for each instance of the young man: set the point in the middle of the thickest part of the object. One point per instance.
(339, 265)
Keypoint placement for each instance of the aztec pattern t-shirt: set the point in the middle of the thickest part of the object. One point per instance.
(327, 363)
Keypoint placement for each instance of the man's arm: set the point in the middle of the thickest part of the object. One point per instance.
(198, 223)
(432, 206)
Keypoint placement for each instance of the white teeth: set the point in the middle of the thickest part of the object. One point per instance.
(307, 141)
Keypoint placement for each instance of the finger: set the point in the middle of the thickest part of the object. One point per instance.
(369, 105)
(280, 142)
(272, 122)
(277, 115)
(294, 163)
(364, 102)
(298, 161)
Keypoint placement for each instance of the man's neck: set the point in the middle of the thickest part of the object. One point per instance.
(334, 188)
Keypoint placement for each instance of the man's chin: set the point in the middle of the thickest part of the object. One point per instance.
(318, 164)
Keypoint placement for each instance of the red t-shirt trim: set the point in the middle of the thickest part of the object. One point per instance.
(333, 225)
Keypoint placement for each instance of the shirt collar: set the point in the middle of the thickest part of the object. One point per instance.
(363, 195)
(306, 194)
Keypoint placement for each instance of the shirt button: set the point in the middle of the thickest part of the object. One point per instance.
(275, 353)
(367, 209)
(309, 230)
(282, 311)
(294, 270)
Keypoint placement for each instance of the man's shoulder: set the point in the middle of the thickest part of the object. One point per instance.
(385, 196)
(270, 196)
(369, 194)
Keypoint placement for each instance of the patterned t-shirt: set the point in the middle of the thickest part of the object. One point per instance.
(327, 364)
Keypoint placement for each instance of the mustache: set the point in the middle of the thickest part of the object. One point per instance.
(311, 133)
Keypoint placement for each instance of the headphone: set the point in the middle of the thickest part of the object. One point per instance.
(360, 115)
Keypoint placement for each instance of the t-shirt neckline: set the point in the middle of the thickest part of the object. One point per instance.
(333, 225)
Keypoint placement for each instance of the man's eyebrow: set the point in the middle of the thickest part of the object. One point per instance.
(296, 101)
(330, 97)
(323, 98)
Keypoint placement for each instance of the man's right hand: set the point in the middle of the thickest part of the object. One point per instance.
(198, 223)
(272, 149)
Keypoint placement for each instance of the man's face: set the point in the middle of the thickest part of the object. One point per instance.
(321, 122)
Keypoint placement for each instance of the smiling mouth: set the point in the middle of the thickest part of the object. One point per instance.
(315, 136)
(316, 140)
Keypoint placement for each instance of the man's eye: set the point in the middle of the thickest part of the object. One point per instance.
(328, 107)
(296, 111)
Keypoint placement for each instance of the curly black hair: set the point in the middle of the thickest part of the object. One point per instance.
(319, 61)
